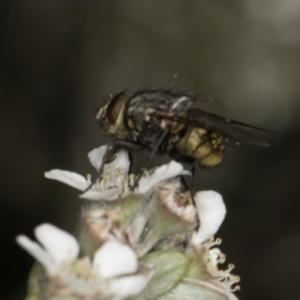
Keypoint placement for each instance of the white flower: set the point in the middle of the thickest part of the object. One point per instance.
(113, 272)
(212, 257)
(115, 181)
(177, 203)
(164, 172)
(211, 212)
(111, 186)
(224, 278)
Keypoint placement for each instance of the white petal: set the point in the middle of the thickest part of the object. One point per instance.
(96, 156)
(71, 178)
(38, 253)
(60, 245)
(121, 161)
(107, 195)
(164, 172)
(211, 211)
(128, 286)
(115, 259)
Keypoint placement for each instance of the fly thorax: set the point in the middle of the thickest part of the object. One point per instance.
(204, 145)
(139, 120)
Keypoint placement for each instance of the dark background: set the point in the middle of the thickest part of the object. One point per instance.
(60, 59)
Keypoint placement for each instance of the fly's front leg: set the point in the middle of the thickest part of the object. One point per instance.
(104, 161)
(111, 149)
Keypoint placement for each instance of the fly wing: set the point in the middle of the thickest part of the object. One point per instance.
(181, 104)
(186, 101)
(199, 118)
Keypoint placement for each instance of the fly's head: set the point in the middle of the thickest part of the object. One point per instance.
(111, 117)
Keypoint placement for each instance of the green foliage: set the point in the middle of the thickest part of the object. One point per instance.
(170, 268)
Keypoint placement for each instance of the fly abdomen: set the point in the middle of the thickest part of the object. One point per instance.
(203, 145)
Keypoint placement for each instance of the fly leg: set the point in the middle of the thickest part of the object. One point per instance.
(111, 149)
(150, 157)
(105, 159)
(159, 142)
(195, 169)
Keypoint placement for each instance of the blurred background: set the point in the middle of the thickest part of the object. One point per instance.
(61, 59)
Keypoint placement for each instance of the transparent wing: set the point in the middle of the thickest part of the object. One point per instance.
(199, 118)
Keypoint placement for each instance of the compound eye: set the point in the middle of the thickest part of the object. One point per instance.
(115, 106)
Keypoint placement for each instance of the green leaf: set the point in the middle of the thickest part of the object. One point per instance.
(170, 268)
(191, 291)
